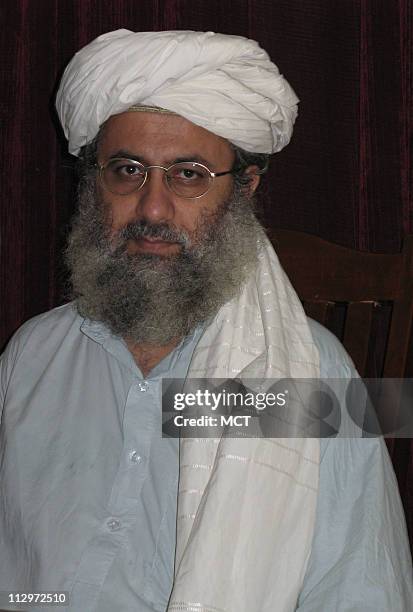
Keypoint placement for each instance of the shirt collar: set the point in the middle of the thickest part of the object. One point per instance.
(116, 346)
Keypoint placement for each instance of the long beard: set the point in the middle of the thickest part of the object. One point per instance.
(151, 298)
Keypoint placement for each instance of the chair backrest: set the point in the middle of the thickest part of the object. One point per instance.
(346, 289)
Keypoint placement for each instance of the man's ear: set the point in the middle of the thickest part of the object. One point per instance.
(254, 179)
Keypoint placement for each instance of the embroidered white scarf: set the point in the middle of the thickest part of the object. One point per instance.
(246, 507)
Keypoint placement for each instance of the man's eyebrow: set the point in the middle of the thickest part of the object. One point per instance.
(194, 158)
(186, 158)
(127, 155)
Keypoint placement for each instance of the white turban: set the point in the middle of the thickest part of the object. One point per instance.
(226, 84)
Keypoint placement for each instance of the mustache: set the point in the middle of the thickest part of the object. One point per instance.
(161, 231)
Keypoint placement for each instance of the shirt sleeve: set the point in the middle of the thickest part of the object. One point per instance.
(7, 361)
(10, 356)
(360, 559)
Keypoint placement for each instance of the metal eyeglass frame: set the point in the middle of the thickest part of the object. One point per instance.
(134, 162)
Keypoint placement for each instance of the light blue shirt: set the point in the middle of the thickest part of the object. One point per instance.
(89, 486)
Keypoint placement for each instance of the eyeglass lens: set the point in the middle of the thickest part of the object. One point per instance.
(186, 179)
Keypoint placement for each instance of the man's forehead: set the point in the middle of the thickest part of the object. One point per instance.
(164, 134)
(147, 119)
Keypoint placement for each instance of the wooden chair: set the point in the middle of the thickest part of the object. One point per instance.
(362, 285)
(330, 278)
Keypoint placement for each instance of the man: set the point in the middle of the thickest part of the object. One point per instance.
(173, 278)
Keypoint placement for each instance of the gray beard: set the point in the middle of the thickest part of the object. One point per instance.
(153, 299)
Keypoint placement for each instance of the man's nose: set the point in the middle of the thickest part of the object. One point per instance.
(155, 201)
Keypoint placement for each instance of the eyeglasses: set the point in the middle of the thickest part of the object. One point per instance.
(186, 179)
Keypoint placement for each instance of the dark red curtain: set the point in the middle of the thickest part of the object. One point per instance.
(346, 175)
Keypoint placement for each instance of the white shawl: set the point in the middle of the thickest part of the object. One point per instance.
(246, 508)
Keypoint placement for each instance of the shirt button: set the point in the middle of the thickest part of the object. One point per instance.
(143, 386)
(113, 524)
(135, 457)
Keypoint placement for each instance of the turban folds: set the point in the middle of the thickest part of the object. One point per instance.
(226, 84)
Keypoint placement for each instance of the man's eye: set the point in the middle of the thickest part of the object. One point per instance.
(186, 174)
(123, 170)
(189, 174)
(129, 171)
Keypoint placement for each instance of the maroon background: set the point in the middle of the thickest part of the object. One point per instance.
(346, 175)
